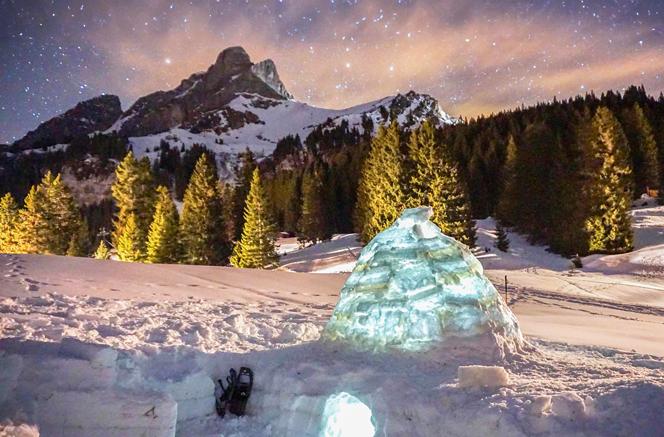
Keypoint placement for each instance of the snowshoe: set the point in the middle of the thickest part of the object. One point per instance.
(242, 390)
(221, 402)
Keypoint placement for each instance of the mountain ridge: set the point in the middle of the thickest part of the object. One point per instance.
(233, 105)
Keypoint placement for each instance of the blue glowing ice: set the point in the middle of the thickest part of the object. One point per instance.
(414, 288)
(346, 416)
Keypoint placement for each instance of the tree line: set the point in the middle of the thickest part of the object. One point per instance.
(147, 226)
(564, 173)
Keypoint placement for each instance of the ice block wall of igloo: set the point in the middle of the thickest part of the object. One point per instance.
(416, 289)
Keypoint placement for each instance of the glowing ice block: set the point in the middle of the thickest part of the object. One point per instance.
(346, 416)
(416, 289)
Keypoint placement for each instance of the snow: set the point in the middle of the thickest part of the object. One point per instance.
(10, 429)
(90, 346)
(277, 119)
(337, 255)
(49, 149)
(483, 377)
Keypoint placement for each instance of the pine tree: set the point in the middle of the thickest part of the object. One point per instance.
(502, 242)
(256, 247)
(102, 251)
(380, 197)
(202, 228)
(643, 149)
(163, 239)
(129, 245)
(33, 226)
(8, 224)
(64, 218)
(48, 219)
(609, 225)
(506, 210)
(434, 181)
(243, 176)
(133, 192)
(226, 193)
(79, 243)
(312, 224)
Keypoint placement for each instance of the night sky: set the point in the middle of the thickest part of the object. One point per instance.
(474, 56)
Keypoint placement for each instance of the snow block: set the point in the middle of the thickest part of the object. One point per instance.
(72, 374)
(97, 355)
(194, 395)
(302, 417)
(540, 405)
(568, 406)
(106, 414)
(10, 429)
(416, 289)
(483, 377)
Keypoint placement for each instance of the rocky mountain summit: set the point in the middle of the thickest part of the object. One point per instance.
(96, 114)
(234, 105)
(191, 102)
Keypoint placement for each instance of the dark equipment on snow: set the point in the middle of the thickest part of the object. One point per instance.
(235, 395)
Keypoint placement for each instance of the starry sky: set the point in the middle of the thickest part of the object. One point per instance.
(474, 56)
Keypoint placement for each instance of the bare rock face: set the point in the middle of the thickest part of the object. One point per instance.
(96, 114)
(203, 93)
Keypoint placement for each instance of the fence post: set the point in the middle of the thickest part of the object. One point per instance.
(506, 301)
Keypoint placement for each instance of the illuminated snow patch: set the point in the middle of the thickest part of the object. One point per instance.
(346, 416)
(414, 288)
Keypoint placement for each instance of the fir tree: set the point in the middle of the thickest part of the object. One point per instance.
(609, 225)
(434, 181)
(243, 177)
(256, 246)
(102, 251)
(502, 242)
(380, 197)
(64, 219)
(202, 228)
(129, 244)
(643, 149)
(79, 243)
(506, 210)
(226, 193)
(163, 243)
(312, 224)
(8, 224)
(48, 219)
(133, 192)
(33, 225)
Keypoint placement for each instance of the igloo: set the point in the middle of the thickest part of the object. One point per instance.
(416, 289)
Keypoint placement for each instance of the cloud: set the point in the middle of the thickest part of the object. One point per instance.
(475, 60)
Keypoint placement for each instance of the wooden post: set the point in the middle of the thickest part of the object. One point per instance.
(506, 301)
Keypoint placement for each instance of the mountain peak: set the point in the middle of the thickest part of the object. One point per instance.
(233, 58)
(95, 114)
(267, 71)
(202, 95)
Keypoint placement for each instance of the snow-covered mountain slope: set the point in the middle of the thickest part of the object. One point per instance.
(255, 122)
(234, 105)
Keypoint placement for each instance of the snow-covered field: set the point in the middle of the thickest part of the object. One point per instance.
(92, 347)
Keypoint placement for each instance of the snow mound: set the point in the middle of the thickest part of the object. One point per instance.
(483, 377)
(415, 289)
(10, 429)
